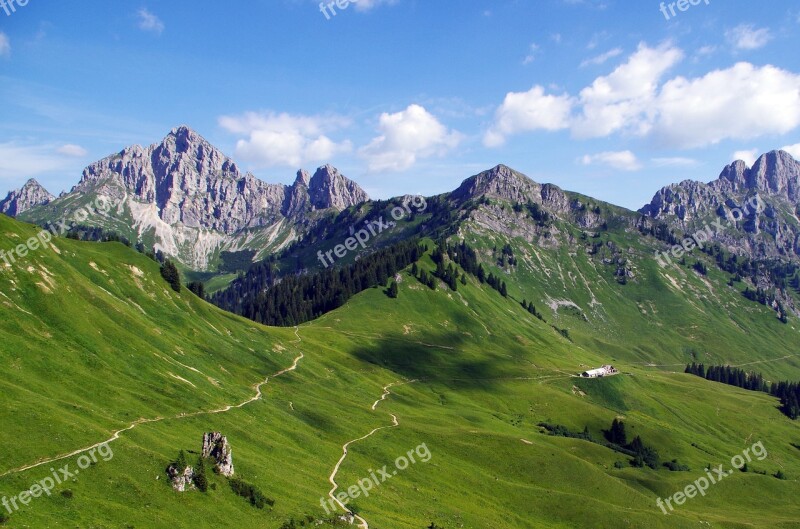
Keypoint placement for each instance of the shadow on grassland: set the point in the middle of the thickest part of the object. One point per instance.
(437, 358)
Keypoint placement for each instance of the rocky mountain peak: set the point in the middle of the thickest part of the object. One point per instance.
(303, 178)
(774, 179)
(328, 188)
(508, 184)
(28, 196)
(776, 172)
(736, 174)
(193, 199)
(500, 182)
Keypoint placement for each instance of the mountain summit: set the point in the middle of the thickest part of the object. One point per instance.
(773, 181)
(30, 195)
(186, 198)
(775, 174)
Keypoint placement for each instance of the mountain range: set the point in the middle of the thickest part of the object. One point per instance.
(182, 196)
(185, 198)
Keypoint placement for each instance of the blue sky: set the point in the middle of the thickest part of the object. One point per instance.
(605, 97)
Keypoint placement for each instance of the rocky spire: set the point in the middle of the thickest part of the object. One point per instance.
(20, 200)
(328, 188)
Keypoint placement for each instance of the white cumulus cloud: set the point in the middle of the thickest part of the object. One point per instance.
(285, 140)
(406, 137)
(748, 156)
(528, 111)
(741, 102)
(622, 100)
(794, 150)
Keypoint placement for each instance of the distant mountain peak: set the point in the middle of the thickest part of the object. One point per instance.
(503, 182)
(328, 188)
(183, 130)
(303, 178)
(30, 195)
(500, 181)
(193, 199)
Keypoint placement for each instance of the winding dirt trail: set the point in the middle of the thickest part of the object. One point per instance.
(395, 423)
(115, 435)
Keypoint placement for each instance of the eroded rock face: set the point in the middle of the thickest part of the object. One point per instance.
(328, 188)
(193, 184)
(194, 201)
(30, 195)
(773, 182)
(216, 447)
(181, 481)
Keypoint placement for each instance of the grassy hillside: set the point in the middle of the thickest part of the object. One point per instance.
(95, 340)
(662, 317)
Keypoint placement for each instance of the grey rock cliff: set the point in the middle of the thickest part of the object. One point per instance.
(30, 195)
(194, 201)
(181, 480)
(216, 447)
(774, 180)
(190, 182)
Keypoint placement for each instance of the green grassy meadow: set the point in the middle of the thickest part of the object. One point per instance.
(94, 340)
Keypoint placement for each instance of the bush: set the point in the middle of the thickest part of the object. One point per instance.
(256, 498)
(644, 455)
(197, 288)
(200, 479)
(67, 493)
(181, 463)
(171, 275)
(780, 475)
(616, 434)
(3, 518)
(674, 466)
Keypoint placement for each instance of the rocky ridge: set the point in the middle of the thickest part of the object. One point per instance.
(192, 201)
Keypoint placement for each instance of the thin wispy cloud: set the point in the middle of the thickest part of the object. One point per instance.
(531, 56)
(366, 5)
(20, 161)
(72, 150)
(621, 160)
(149, 22)
(748, 37)
(602, 58)
(5, 45)
(676, 161)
